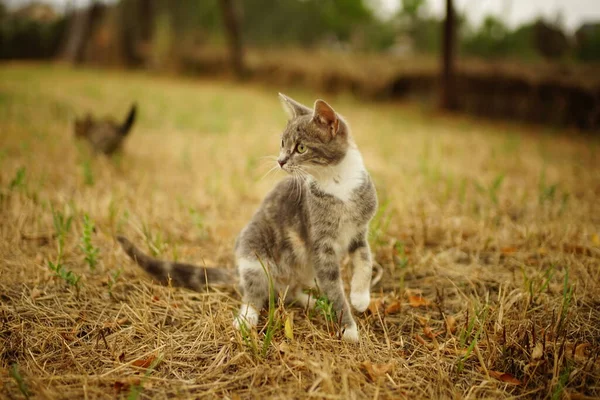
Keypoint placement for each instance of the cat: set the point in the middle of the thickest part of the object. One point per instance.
(105, 136)
(304, 227)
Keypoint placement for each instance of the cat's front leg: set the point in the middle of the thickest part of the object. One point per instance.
(360, 287)
(255, 287)
(327, 270)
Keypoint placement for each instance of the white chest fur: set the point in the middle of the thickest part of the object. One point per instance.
(341, 180)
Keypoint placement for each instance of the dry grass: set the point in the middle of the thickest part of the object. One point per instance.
(495, 226)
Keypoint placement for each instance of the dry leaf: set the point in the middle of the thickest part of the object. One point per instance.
(35, 293)
(418, 301)
(508, 250)
(289, 327)
(393, 308)
(580, 353)
(376, 370)
(123, 386)
(576, 249)
(505, 377)
(420, 339)
(375, 305)
(538, 351)
(450, 324)
(144, 362)
(284, 348)
(429, 333)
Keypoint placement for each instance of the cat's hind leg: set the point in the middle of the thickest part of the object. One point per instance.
(255, 288)
(360, 287)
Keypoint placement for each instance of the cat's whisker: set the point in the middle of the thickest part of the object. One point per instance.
(268, 172)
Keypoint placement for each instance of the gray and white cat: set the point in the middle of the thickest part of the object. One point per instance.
(304, 227)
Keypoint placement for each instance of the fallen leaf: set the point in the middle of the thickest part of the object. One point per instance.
(420, 339)
(124, 386)
(144, 362)
(418, 301)
(505, 377)
(542, 251)
(376, 370)
(450, 324)
(538, 351)
(508, 250)
(429, 333)
(289, 327)
(393, 308)
(284, 348)
(595, 239)
(578, 353)
(576, 249)
(375, 305)
(35, 293)
(579, 396)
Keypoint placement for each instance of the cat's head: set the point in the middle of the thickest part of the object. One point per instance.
(82, 125)
(314, 138)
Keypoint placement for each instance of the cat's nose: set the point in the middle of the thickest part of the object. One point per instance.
(281, 162)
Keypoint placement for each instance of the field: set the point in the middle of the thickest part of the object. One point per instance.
(487, 236)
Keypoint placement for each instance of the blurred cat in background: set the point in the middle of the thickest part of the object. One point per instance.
(105, 135)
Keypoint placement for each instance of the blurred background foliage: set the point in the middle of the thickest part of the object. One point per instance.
(537, 71)
(355, 25)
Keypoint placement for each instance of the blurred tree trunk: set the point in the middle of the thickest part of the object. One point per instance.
(448, 88)
(231, 20)
(79, 32)
(137, 25)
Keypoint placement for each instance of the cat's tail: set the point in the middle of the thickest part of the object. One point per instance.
(184, 275)
(126, 127)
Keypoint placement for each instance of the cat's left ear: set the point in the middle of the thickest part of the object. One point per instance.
(292, 107)
(325, 115)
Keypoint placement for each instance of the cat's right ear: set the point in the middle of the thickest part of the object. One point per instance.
(292, 107)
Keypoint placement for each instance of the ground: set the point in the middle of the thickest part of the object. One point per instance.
(487, 236)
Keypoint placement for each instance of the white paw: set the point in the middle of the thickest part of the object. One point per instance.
(248, 316)
(360, 300)
(351, 334)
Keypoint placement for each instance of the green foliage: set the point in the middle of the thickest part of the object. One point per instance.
(61, 272)
(588, 43)
(62, 226)
(271, 322)
(19, 180)
(112, 280)
(91, 252)
(16, 375)
(495, 39)
(25, 38)
(325, 307)
(88, 173)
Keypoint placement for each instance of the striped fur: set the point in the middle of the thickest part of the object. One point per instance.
(185, 275)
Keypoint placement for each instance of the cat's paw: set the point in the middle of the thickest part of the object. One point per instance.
(360, 300)
(248, 317)
(351, 334)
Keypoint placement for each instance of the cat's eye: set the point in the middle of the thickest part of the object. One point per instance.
(301, 148)
(281, 142)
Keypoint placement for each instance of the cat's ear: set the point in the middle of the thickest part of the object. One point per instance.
(325, 115)
(292, 107)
